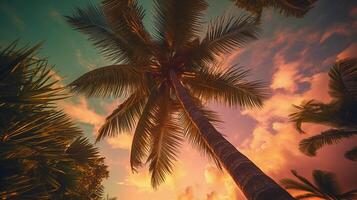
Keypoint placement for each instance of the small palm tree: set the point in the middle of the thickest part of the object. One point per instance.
(296, 8)
(340, 113)
(325, 186)
(167, 78)
(40, 148)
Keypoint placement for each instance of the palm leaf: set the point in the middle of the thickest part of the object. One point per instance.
(326, 182)
(142, 136)
(82, 151)
(166, 139)
(125, 19)
(316, 112)
(343, 79)
(25, 85)
(91, 21)
(352, 154)
(309, 196)
(223, 36)
(113, 80)
(296, 8)
(227, 86)
(310, 145)
(178, 22)
(123, 118)
(352, 194)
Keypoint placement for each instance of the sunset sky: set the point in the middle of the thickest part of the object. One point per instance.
(292, 56)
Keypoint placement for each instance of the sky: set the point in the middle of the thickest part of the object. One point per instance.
(292, 56)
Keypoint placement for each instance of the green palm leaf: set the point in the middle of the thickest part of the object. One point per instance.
(124, 118)
(125, 19)
(142, 137)
(91, 21)
(229, 86)
(113, 80)
(310, 145)
(166, 139)
(178, 22)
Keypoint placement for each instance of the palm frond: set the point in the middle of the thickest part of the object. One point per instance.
(125, 19)
(343, 79)
(124, 118)
(223, 36)
(351, 154)
(166, 139)
(310, 145)
(316, 112)
(82, 151)
(352, 194)
(91, 21)
(229, 86)
(178, 21)
(194, 136)
(296, 8)
(309, 196)
(24, 80)
(326, 182)
(113, 80)
(305, 181)
(142, 136)
(294, 185)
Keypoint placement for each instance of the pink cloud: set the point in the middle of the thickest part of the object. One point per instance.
(350, 51)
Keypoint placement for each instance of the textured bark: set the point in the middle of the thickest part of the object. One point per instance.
(250, 179)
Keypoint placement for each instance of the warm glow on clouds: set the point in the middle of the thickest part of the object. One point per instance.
(121, 141)
(349, 52)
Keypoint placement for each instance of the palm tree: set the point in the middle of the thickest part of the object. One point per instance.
(340, 113)
(167, 78)
(325, 186)
(296, 8)
(40, 148)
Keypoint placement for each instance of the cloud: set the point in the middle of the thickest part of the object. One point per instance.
(187, 194)
(349, 52)
(121, 141)
(286, 75)
(340, 29)
(82, 112)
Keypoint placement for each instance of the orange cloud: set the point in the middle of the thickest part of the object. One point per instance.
(350, 51)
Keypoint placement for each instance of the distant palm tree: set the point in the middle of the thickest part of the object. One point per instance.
(167, 79)
(340, 113)
(40, 148)
(296, 8)
(325, 186)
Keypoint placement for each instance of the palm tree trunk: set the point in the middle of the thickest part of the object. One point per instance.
(249, 178)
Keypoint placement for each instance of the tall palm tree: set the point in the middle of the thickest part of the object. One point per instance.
(296, 8)
(40, 148)
(340, 113)
(325, 186)
(167, 78)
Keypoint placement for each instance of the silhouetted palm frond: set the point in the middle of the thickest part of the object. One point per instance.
(325, 186)
(229, 86)
(296, 8)
(310, 145)
(351, 154)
